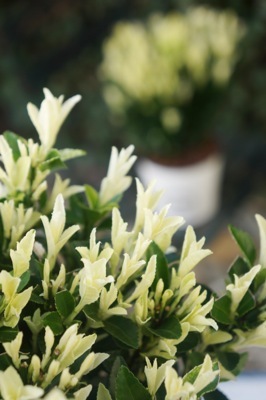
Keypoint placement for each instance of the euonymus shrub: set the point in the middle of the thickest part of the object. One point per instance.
(93, 308)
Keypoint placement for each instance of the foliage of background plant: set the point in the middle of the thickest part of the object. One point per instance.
(165, 78)
(91, 306)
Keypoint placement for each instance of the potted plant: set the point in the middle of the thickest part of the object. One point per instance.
(91, 308)
(164, 80)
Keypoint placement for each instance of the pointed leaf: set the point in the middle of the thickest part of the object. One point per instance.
(162, 269)
(52, 162)
(12, 140)
(221, 310)
(241, 364)
(118, 362)
(228, 359)
(103, 393)
(259, 279)
(7, 334)
(189, 342)
(5, 361)
(35, 298)
(52, 165)
(122, 329)
(192, 375)
(169, 328)
(128, 387)
(239, 268)
(245, 243)
(68, 154)
(24, 279)
(247, 304)
(53, 320)
(216, 395)
(65, 303)
(91, 310)
(92, 196)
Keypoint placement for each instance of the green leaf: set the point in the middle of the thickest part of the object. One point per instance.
(162, 270)
(221, 310)
(240, 366)
(169, 328)
(12, 140)
(128, 387)
(53, 320)
(7, 334)
(228, 359)
(65, 303)
(233, 362)
(259, 279)
(195, 358)
(24, 279)
(239, 268)
(91, 310)
(216, 395)
(103, 393)
(68, 154)
(192, 375)
(118, 362)
(5, 362)
(245, 243)
(189, 342)
(211, 387)
(35, 298)
(122, 329)
(92, 196)
(52, 162)
(52, 165)
(247, 304)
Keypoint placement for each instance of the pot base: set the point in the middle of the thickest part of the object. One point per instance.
(193, 191)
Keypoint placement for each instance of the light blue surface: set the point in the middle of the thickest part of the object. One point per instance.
(245, 387)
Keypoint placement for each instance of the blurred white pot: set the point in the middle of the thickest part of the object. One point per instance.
(194, 190)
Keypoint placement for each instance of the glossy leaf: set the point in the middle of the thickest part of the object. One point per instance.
(53, 161)
(128, 387)
(192, 375)
(68, 154)
(239, 268)
(103, 393)
(245, 243)
(24, 279)
(12, 139)
(7, 334)
(259, 279)
(228, 359)
(35, 298)
(162, 270)
(65, 303)
(123, 329)
(221, 310)
(247, 304)
(118, 362)
(91, 310)
(92, 196)
(53, 320)
(216, 395)
(189, 342)
(5, 361)
(169, 328)
(241, 364)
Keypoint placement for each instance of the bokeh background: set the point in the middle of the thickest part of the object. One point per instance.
(58, 44)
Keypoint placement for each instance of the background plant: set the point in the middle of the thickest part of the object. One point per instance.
(165, 77)
(92, 307)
